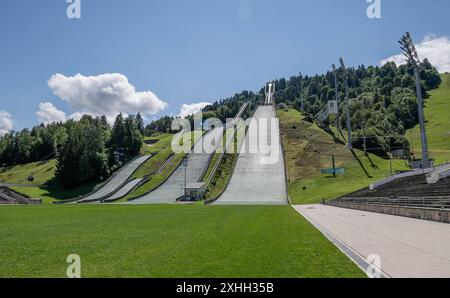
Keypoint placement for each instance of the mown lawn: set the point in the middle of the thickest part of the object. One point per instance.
(437, 108)
(55, 192)
(166, 241)
(308, 149)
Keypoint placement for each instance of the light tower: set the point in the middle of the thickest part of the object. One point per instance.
(302, 99)
(410, 52)
(349, 121)
(185, 165)
(336, 87)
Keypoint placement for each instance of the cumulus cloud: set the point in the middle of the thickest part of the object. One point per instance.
(191, 109)
(6, 123)
(105, 94)
(436, 49)
(48, 113)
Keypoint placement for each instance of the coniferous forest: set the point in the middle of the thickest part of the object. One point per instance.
(383, 106)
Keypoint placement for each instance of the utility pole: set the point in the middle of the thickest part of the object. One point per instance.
(390, 158)
(336, 87)
(410, 52)
(364, 138)
(302, 102)
(334, 163)
(349, 123)
(185, 165)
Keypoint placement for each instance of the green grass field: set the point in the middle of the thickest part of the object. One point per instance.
(307, 149)
(166, 241)
(437, 115)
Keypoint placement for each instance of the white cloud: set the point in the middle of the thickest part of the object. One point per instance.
(191, 109)
(105, 94)
(436, 49)
(6, 123)
(48, 113)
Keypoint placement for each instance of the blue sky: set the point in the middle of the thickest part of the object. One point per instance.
(190, 51)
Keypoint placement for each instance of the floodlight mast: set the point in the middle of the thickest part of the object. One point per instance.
(337, 100)
(349, 121)
(302, 101)
(410, 52)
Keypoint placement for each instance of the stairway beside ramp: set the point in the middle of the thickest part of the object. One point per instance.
(256, 181)
(10, 197)
(410, 196)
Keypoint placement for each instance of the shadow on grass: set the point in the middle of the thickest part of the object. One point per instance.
(60, 193)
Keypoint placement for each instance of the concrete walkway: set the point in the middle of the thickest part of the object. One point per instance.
(407, 247)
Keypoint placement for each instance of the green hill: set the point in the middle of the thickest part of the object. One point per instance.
(437, 115)
(42, 172)
(308, 149)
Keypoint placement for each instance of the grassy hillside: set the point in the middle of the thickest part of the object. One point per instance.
(42, 172)
(437, 115)
(308, 149)
(161, 148)
(167, 241)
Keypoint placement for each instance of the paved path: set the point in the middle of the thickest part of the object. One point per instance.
(117, 181)
(254, 182)
(407, 247)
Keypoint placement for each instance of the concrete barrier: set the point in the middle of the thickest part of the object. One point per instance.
(438, 215)
(438, 174)
(408, 174)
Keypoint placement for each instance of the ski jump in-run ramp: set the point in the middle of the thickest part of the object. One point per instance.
(259, 178)
(197, 163)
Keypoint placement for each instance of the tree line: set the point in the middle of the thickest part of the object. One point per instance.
(86, 150)
(222, 109)
(383, 102)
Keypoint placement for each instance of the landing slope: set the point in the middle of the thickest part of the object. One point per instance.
(173, 189)
(117, 181)
(255, 181)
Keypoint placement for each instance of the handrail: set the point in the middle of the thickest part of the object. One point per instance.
(219, 160)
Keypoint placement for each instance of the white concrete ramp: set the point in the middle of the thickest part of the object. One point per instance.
(173, 189)
(116, 182)
(255, 181)
(198, 160)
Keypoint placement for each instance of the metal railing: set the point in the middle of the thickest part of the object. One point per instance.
(435, 202)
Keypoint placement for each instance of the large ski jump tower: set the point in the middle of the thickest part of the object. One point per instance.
(270, 91)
